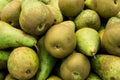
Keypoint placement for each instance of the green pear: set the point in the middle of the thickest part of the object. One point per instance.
(88, 41)
(106, 66)
(93, 76)
(105, 8)
(23, 63)
(4, 55)
(46, 61)
(53, 5)
(88, 18)
(13, 37)
(60, 39)
(35, 18)
(71, 8)
(11, 12)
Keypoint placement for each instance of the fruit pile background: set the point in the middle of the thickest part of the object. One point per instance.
(59, 39)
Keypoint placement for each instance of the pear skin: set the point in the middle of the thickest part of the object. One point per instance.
(106, 66)
(13, 37)
(3, 3)
(88, 41)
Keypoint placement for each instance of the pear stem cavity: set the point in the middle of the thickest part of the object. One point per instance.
(76, 75)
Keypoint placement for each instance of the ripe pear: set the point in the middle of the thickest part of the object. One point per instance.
(71, 8)
(88, 41)
(13, 37)
(105, 8)
(111, 38)
(106, 66)
(53, 5)
(46, 61)
(11, 12)
(60, 39)
(88, 18)
(23, 63)
(75, 67)
(35, 18)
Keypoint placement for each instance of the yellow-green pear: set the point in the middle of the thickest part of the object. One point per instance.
(88, 41)
(107, 67)
(88, 18)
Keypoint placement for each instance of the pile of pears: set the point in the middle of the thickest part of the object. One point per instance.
(59, 39)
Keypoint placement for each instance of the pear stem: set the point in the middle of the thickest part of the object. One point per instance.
(37, 48)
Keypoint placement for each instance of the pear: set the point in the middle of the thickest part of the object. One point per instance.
(4, 55)
(11, 12)
(93, 76)
(13, 37)
(88, 41)
(106, 66)
(71, 8)
(111, 38)
(88, 18)
(60, 39)
(53, 77)
(75, 67)
(23, 63)
(53, 5)
(35, 18)
(105, 8)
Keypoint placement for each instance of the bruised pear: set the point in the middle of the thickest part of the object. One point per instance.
(75, 67)
(71, 8)
(35, 17)
(105, 8)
